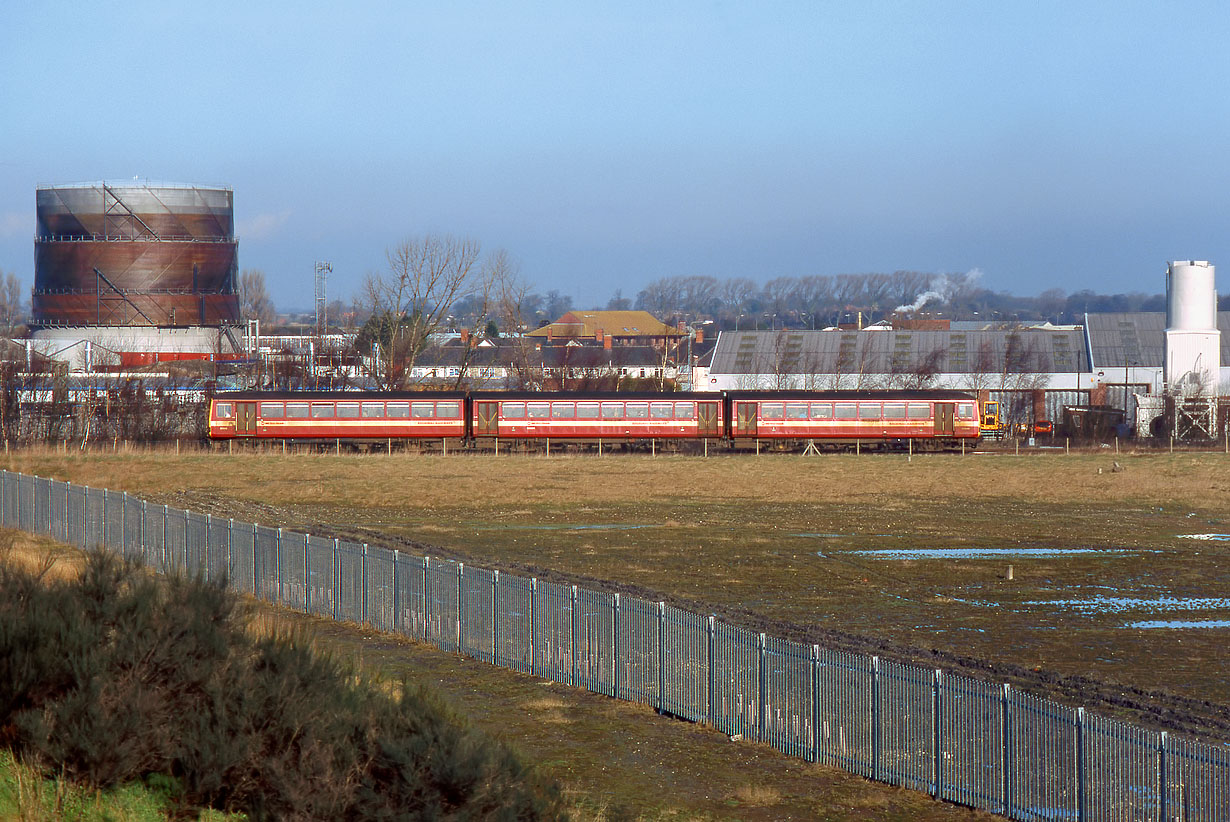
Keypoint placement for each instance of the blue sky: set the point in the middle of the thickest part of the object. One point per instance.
(603, 145)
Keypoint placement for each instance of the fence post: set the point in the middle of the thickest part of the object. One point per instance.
(576, 656)
(495, 617)
(426, 599)
(278, 562)
(230, 553)
(615, 648)
(397, 629)
(1006, 754)
(1080, 765)
(307, 574)
(144, 512)
(816, 723)
(337, 579)
(710, 631)
(256, 591)
(762, 690)
(164, 534)
(875, 718)
(533, 618)
(102, 525)
(661, 657)
(367, 617)
(1162, 792)
(935, 730)
(206, 572)
(461, 570)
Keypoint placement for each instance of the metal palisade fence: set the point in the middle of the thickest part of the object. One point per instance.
(962, 740)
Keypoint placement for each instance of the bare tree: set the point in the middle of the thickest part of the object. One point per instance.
(12, 304)
(254, 300)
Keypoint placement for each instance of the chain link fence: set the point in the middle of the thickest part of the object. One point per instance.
(962, 740)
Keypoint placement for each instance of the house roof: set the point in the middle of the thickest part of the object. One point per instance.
(611, 323)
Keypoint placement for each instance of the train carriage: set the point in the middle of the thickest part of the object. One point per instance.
(334, 415)
(941, 419)
(590, 416)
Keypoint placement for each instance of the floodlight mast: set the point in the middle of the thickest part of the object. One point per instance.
(323, 270)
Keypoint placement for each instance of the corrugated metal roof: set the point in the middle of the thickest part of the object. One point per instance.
(899, 352)
(1137, 337)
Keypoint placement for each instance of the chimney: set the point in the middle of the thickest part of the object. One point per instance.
(599, 337)
(550, 333)
(700, 335)
(682, 327)
(465, 336)
(606, 343)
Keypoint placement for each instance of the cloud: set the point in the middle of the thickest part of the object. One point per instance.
(261, 226)
(16, 223)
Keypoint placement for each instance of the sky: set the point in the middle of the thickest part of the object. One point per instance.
(604, 145)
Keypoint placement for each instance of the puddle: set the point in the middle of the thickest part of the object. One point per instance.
(1209, 537)
(1118, 605)
(973, 553)
(1180, 623)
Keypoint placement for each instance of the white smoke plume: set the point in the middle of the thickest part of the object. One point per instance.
(942, 288)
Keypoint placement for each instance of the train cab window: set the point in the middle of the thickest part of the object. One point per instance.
(638, 410)
(513, 410)
(538, 410)
(685, 410)
(821, 411)
(422, 410)
(448, 410)
(612, 410)
(846, 411)
(297, 410)
(563, 411)
(869, 411)
(398, 410)
(894, 410)
(587, 410)
(321, 410)
(373, 410)
(224, 411)
(772, 410)
(660, 410)
(348, 410)
(920, 411)
(796, 410)
(965, 411)
(272, 410)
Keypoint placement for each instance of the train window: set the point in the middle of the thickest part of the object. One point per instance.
(587, 410)
(612, 410)
(513, 410)
(373, 410)
(965, 411)
(771, 410)
(869, 411)
(538, 410)
(660, 410)
(272, 410)
(224, 411)
(685, 410)
(821, 411)
(321, 410)
(638, 410)
(398, 410)
(894, 410)
(449, 410)
(563, 410)
(846, 411)
(348, 410)
(796, 410)
(297, 410)
(920, 411)
(422, 410)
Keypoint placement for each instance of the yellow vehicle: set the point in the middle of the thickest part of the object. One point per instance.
(991, 422)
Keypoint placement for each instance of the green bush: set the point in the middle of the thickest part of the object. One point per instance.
(114, 676)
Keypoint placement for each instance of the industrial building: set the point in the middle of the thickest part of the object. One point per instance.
(136, 273)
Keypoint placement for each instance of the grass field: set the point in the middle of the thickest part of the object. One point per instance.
(787, 544)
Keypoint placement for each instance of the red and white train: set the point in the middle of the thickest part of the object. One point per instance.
(923, 420)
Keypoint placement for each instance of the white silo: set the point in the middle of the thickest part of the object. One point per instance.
(1192, 359)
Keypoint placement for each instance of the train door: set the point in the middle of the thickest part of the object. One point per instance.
(944, 412)
(707, 419)
(487, 413)
(745, 419)
(245, 419)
